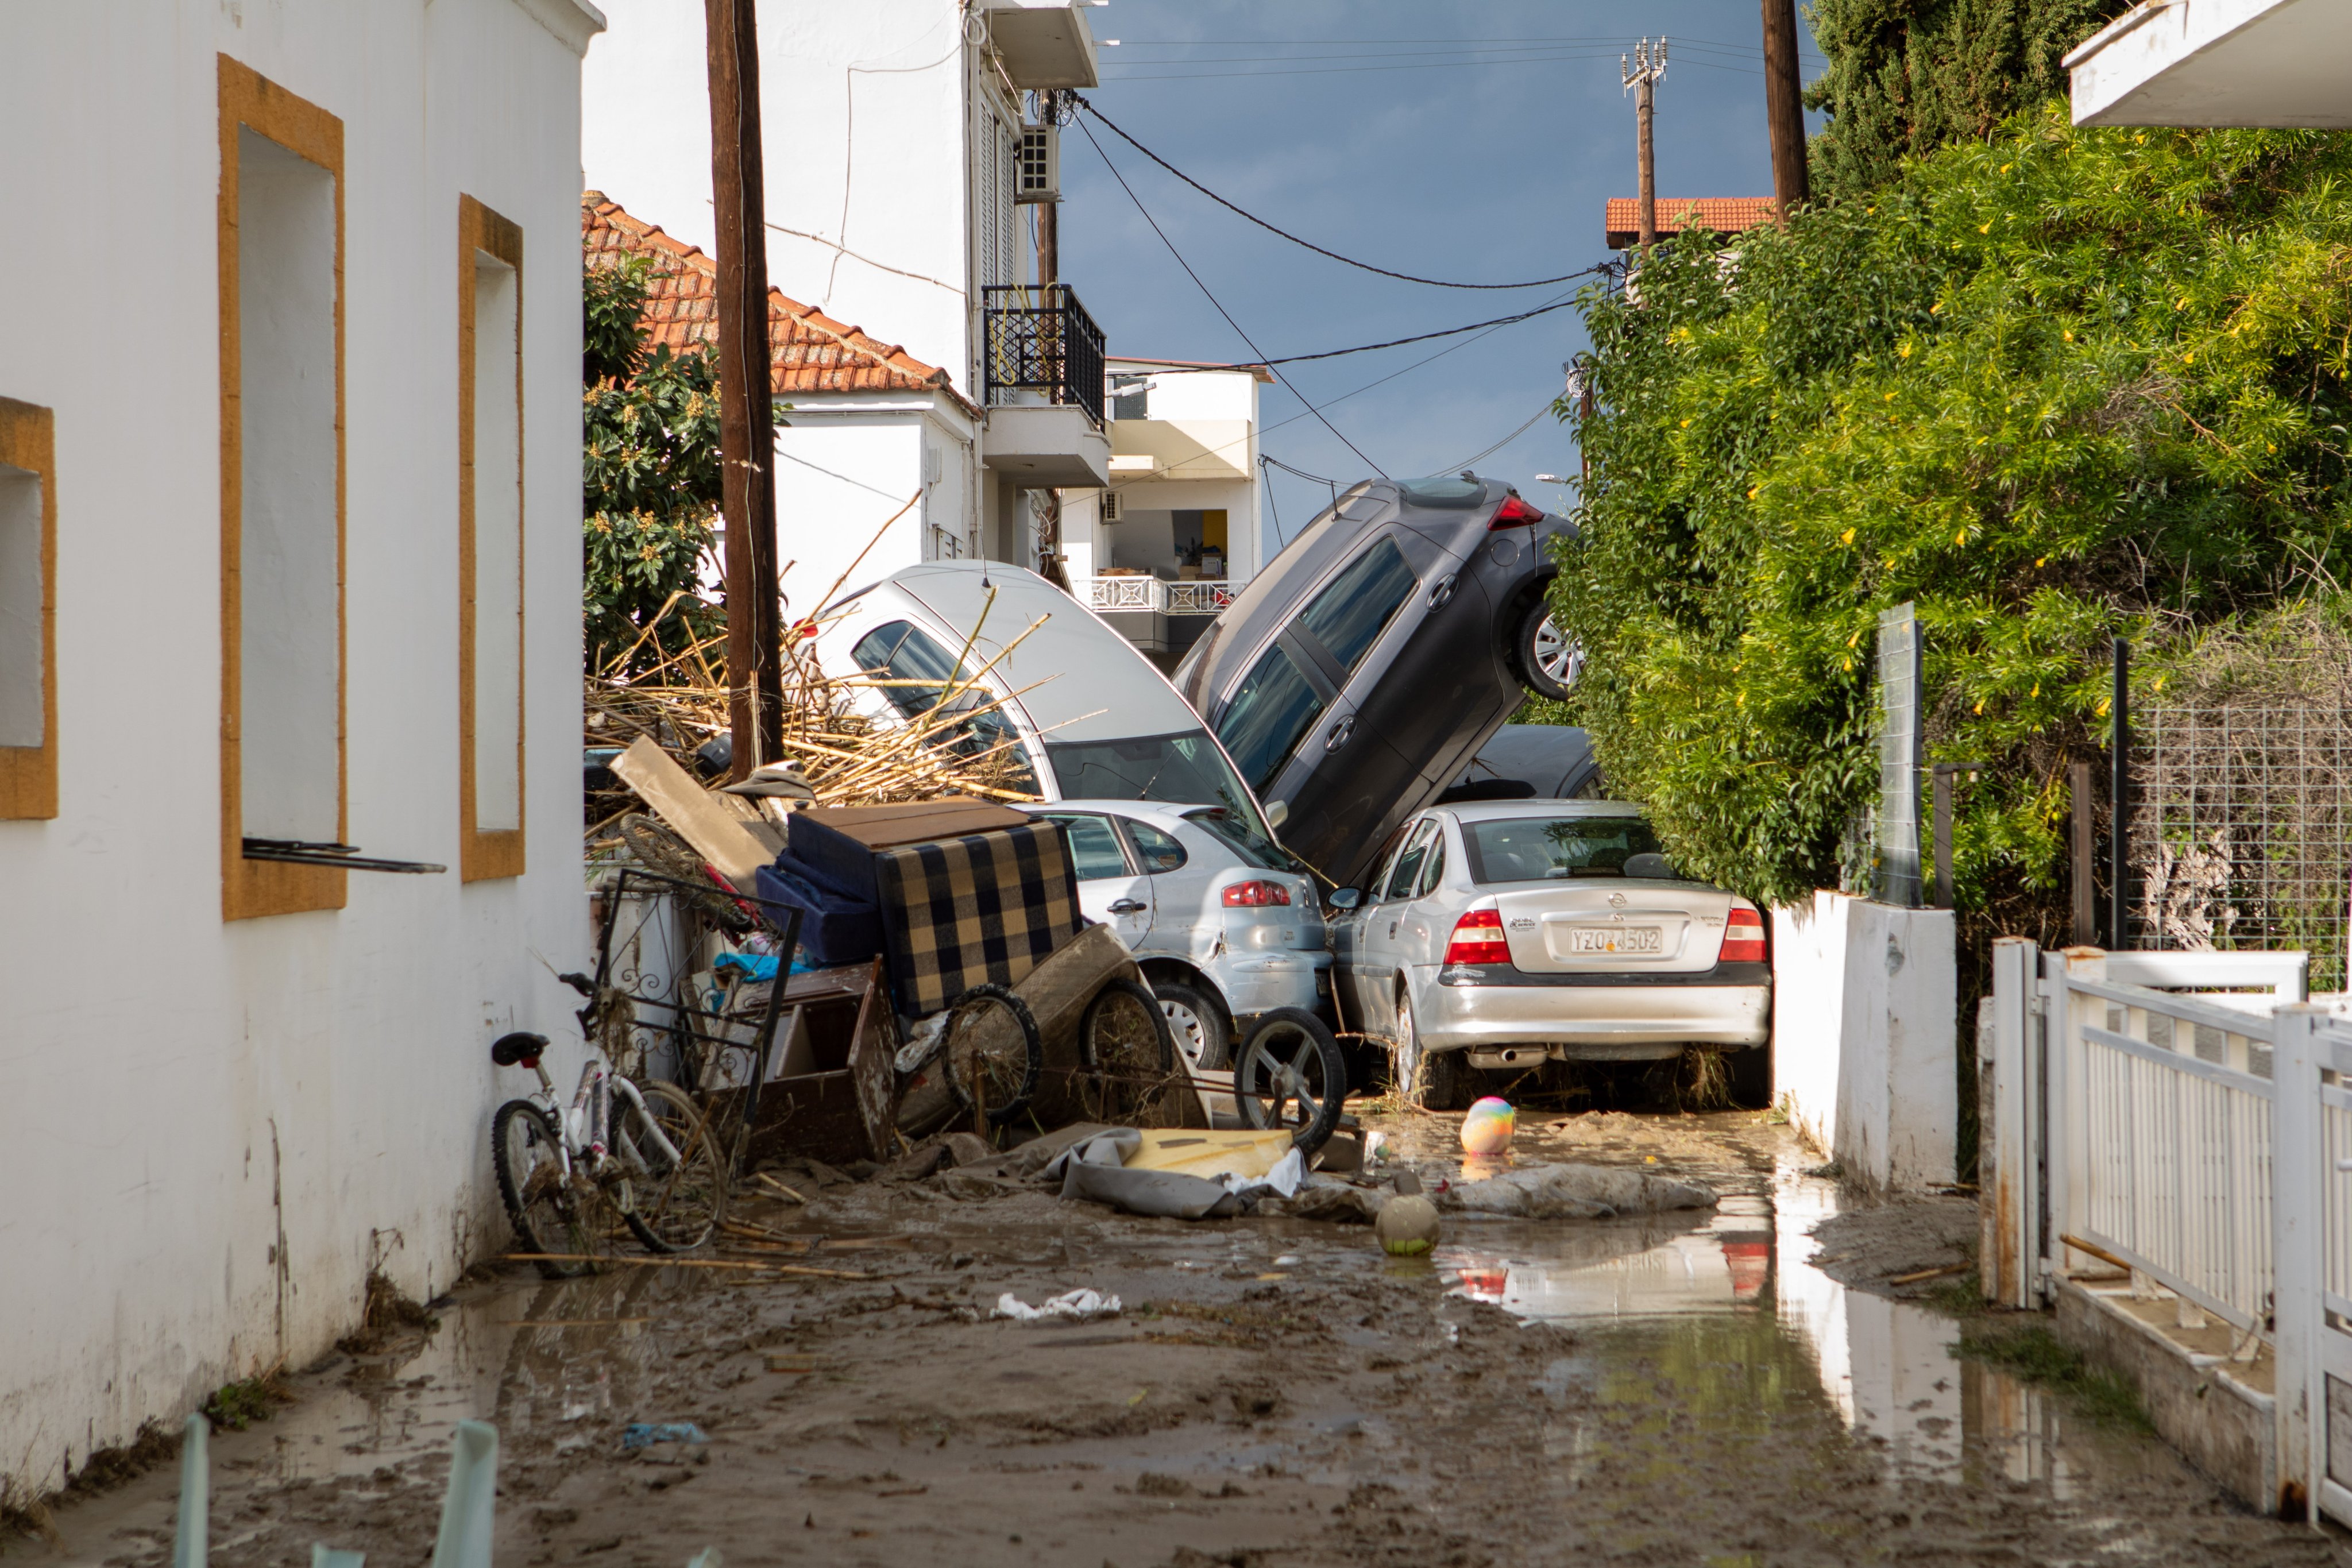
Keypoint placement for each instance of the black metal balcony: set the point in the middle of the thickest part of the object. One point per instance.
(1042, 340)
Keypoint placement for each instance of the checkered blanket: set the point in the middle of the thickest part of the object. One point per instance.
(957, 911)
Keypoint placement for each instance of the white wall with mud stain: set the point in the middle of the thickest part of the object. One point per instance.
(215, 1127)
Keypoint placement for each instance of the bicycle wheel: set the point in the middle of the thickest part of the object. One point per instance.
(659, 849)
(678, 1202)
(1291, 1075)
(1127, 1047)
(550, 1215)
(993, 1053)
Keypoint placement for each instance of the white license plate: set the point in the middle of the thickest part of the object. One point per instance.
(1614, 939)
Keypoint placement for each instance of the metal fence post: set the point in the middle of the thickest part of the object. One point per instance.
(2119, 799)
(2298, 1191)
(2069, 1169)
(2007, 1183)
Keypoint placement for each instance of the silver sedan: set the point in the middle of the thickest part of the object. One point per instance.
(1503, 934)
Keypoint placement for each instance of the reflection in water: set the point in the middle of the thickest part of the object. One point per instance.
(1723, 1315)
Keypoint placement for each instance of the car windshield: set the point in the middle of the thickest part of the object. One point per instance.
(1182, 769)
(1541, 848)
(914, 672)
(1234, 835)
(1346, 616)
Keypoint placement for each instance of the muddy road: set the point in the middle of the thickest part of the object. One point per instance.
(1687, 1389)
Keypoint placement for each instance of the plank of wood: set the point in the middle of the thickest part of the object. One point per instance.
(1929, 1274)
(679, 800)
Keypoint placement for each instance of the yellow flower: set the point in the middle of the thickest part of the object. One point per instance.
(1685, 423)
(2037, 689)
(1936, 308)
(1846, 664)
(1961, 537)
(2068, 335)
(2159, 683)
(1978, 709)
(2101, 710)
(2188, 359)
(2141, 137)
(1984, 229)
(2006, 167)
(1740, 700)
(1847, 538)
(1905, 352)
(1890, 398)
(2041, 560)
(1751, 492)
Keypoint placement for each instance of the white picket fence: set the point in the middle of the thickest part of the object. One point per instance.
(2188, 1117)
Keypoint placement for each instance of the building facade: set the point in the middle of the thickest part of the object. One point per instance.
(289, 562)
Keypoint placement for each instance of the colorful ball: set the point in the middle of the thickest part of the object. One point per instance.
(1488, 1128)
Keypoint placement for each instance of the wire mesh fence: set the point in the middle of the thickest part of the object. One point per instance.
(2241, 827)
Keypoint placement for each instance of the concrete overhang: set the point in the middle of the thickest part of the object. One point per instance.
(1181, 449)
(1048, 446)
(1042, 43)
(2218, 62)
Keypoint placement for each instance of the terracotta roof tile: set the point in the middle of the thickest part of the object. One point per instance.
(1724, 214)
(810, 350)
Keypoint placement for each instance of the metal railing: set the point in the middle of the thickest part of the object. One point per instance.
(1207, 596)
(1040, 340)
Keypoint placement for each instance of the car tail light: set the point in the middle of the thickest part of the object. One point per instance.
(1256, 895)
(1478, 939)
(1743, 936)
(1513, 514)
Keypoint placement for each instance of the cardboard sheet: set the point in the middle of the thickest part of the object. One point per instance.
(694, 813)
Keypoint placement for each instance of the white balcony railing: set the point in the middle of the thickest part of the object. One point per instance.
(1206, 597)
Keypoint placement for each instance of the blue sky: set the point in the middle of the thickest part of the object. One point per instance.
(1465, 140)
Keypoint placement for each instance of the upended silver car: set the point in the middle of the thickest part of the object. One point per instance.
(1500, 935)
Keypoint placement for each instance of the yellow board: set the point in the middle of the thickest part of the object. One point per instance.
(1199, 1154)
(1212, 530)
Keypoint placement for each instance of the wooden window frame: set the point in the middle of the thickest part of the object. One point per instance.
(482, 856)
(255, 888)
(28, 775)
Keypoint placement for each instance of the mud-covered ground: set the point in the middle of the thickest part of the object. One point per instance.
(1684, 1389)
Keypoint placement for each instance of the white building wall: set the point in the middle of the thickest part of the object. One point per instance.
(846, 471)
(214, 1127)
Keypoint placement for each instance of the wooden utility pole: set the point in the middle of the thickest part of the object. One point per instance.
(755, 647)
(1784, 108)
(1641, 72)
(1049, 244)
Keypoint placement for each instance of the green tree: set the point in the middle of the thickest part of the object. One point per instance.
(2053, 386)
(650, 479)
(1906, 77)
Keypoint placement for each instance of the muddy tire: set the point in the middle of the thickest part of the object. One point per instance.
(546, 1213)
(1433, 1081)
(679, 1204)
(1290, 1075)
(993, 1053)
(1203, 1030)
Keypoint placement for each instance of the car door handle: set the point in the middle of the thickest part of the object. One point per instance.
(1442, 592)
(1339, 734)
(1392, 925)
(1128, 907)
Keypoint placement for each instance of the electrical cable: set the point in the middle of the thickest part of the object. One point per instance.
(1195, 277)
(1481, 456)
(1424, 337)
(1406, 277)
(1417, 66)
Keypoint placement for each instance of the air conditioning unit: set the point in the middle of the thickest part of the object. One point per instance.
(1107, 505)
(1037, 171)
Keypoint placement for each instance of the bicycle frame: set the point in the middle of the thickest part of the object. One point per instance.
(584, 1127)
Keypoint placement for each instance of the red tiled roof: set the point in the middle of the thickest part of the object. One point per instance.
(1724, 214)
(811, 352)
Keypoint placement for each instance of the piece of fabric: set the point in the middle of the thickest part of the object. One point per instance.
(1159, 1195)
(989, 907)
(1078, 1304)
(835, 928)
(1574, 1191)
(1211, 1154)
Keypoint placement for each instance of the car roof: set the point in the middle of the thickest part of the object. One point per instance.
(1084, 681)
(1509, 810)
(1151, 810)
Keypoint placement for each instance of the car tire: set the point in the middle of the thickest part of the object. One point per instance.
(1751, 1076)
(1547, 659)
(1203, 1029)
(1432, 1080)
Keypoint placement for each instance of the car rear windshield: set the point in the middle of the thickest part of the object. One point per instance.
(1234, 835)
(1346, 616)
(1182, 769)
(1457, 493)
(1547, 848)
(1267, 716)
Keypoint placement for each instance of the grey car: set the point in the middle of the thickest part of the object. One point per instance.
(1356, 677)
(1503, 934)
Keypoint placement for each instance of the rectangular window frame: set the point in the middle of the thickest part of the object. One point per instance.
(497, 852)
(251, 889)
(28, 775)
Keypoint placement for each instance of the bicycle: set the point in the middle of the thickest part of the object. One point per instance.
(572, 1177)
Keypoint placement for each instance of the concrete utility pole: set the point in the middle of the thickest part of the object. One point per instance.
(755, 647)
(1641, 72)
(1784, 108)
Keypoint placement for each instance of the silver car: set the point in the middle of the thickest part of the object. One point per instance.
(1503, 934)
(1223, 924)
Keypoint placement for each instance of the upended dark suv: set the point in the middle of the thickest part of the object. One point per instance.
(1356, 674)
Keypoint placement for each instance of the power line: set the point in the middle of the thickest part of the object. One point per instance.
(1447, 333)
(1435, 283)
(1203, 288)
(1481, 456)
(1417, 66)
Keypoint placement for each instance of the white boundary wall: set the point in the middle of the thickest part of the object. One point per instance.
(1863, 1001)
(211, 1126)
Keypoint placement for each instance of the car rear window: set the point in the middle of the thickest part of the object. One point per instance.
(1267, 716)
(1346, 616)
(1182, 769)
(1228, 830)
(1450, 491)
(1547, 848)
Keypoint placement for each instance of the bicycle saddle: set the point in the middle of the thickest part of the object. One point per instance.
(518, 1049)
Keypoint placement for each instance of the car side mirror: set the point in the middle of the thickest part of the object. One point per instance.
(1346, 898)
(1277, 812)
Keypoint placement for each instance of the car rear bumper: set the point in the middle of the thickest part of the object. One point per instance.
(1262, 981)
(1451, 1015)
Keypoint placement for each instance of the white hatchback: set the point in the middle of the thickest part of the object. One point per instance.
(1224, 924)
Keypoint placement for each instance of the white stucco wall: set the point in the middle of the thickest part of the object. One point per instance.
(1864, 1031)
(213, 1126)
(843, 467)
(863, 108)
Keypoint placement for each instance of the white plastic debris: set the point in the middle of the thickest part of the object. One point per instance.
(1078, 1304)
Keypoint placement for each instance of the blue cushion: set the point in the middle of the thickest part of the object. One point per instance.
(835, 928)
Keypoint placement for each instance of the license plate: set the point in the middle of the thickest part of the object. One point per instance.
(1614, 939)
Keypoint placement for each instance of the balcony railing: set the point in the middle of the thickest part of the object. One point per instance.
(1042, 341)
(1205, 597)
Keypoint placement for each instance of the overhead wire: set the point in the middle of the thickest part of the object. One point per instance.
(1212, 297)
(1112, 126)
(1481, 456)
